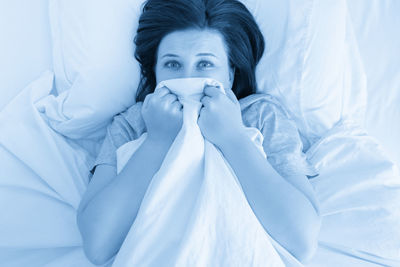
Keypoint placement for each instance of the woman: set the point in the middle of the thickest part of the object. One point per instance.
(218, 39)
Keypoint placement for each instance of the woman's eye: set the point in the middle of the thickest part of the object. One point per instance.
(205, 64)
(172, 65)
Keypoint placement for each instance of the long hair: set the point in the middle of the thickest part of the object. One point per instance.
(231, 18)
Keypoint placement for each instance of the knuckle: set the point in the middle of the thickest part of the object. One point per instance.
(171, 97)
(151, 96)
(164, 90)
(208, 90)
(148, 97)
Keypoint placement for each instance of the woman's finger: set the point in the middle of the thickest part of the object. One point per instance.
(212, 91)
(231, 95)
(162, 91)
(146, 100)
(177, 105)
(206, 100)
(170, 98)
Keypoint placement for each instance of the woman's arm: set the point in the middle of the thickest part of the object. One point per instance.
(289, 214)
(109, 207)
(287, 210)
(112, 201)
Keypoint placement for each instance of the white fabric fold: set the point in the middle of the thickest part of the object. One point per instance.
(359, 194)
(43, 176)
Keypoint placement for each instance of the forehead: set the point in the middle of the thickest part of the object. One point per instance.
(193, 41)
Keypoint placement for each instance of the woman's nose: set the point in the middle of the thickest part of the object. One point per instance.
(191, 73)
(187, 73)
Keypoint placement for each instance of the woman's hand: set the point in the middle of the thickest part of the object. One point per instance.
(220, 118)
(162, 114)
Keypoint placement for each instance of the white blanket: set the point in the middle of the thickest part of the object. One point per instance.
(359, 192)
(194, 212)
(42, 178)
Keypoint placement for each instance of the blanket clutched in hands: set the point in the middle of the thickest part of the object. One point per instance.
(183, 219)
(194, 212)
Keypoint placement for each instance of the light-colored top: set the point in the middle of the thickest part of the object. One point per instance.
(282, 142)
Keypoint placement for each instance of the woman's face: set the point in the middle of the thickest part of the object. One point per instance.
(194, 53)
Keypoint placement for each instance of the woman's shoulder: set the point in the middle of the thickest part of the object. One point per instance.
(282, 140)
(127, 125)
(256, 108)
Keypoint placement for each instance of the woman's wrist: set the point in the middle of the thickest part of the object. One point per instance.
(159, 142)
(234, 140)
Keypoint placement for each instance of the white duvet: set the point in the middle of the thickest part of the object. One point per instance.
(194, 212)
(359, 192)
(43, 176)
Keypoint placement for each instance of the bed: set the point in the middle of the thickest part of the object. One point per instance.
(52, 124)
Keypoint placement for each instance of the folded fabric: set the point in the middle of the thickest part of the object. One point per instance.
(84, 113)
(194, 212)
(42, 179)
(359, 193)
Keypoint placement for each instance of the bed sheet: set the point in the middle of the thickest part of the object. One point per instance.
(376, 26)
(358, 188)
(42, 178)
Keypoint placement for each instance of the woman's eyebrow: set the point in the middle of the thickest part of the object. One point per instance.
(169, 55)
(206, 54)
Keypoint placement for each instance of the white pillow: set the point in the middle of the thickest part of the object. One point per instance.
(96, 73)
(377, 30)
(306, 53)
(311, 64)
(25, 45)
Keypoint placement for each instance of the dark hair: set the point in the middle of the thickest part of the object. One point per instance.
(230, 17)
